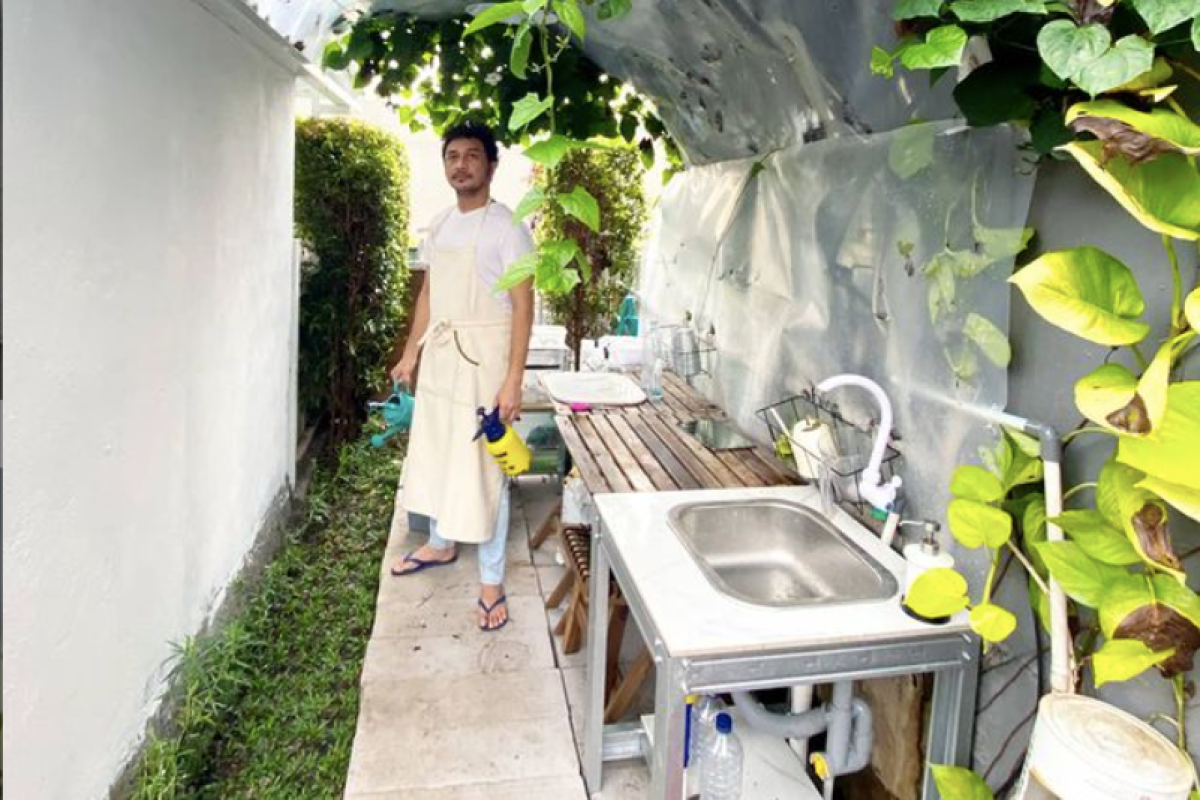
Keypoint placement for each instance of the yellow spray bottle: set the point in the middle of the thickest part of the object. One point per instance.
(510, 452)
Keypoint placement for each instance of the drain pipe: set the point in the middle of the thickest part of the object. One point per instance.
(846, 718)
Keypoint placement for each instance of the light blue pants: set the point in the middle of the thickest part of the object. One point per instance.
(491, 552)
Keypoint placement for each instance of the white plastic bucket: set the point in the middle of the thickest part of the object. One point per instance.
(1084, 749)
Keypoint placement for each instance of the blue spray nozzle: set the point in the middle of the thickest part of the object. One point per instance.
(490, 424)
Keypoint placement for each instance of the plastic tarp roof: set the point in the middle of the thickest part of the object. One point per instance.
(732, 78)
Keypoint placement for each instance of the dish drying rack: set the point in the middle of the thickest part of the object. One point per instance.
(835, 457)
(683, 351)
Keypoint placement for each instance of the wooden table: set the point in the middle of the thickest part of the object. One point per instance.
(643, 449)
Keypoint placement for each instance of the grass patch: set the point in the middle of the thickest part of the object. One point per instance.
(268, 704)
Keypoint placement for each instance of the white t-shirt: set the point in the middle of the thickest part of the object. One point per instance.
(500, 241)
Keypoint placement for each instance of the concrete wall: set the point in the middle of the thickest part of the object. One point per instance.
(147, 219)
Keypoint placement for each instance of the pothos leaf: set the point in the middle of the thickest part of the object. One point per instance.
(1184, 499)
(1082, 578)
(1122, 659)
(1191, 309)
(1096, 537)
(1108, 396)
(1087, 292)
(976, 483)
(956, 783)
(938, 592)
(991, 10)
(975, 524)
(993, 623)
(1170, 454)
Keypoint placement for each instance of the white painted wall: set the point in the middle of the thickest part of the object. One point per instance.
(147, 220)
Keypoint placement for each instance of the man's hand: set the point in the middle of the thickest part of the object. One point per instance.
(404, 369)
(508, 400)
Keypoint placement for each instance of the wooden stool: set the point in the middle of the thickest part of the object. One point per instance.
(548, 527)
(620, 690)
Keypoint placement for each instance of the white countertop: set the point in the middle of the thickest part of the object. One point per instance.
(694, 618)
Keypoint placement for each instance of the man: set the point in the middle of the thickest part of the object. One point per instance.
(471, 342)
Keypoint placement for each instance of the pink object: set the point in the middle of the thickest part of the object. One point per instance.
(581, 406)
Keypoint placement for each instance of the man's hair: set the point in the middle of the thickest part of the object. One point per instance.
(473, 130)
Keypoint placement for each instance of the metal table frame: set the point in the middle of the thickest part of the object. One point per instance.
(952, 656)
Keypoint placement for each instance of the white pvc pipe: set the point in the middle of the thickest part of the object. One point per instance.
(1062, 679)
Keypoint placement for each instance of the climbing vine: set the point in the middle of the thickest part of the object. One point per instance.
(500, 67)
(1105, 84)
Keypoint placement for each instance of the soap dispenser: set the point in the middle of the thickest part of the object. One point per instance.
(924, 555)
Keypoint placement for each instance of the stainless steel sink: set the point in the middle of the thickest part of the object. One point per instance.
(777, 553)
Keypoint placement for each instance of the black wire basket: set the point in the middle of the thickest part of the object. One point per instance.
(809, 431)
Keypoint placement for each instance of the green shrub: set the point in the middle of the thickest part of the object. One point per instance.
(352, 215)
(614, 178)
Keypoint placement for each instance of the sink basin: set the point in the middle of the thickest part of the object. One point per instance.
(777, 553)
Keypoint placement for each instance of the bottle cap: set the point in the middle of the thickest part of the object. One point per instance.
(724, 723)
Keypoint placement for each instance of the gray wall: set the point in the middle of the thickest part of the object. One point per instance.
(1069, 210)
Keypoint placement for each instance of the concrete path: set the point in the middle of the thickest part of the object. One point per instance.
(449, 712)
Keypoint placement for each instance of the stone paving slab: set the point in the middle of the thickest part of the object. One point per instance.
(449, 712)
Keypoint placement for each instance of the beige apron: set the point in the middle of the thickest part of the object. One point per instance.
(464, 359)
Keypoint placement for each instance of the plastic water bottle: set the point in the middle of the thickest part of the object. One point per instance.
(655, 392)
(721, 765)
(702, 733)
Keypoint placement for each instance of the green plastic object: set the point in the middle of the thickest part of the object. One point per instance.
(627, 317)
(397, 412)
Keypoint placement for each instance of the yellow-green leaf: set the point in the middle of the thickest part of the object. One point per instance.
(1096, 537)
(1172, 453)
(1087, 292)
(522, 42)
(942, 47)
(527, 109)
(518, 272)
(1116, 482)
(1122, 659)
(1084, 579)
(580, 204)
(533, 200)
(976, 483)
(1191, 309)
(1152, 387)
(992, 622)
(569, 12)
(956, 783)
(1184, 499)
(493, 15)
(938, 593)
(1160, 123)
(1108, 397)
(1163, 194)
(975, 524)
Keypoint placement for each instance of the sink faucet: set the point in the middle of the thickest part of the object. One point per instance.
(871, 487)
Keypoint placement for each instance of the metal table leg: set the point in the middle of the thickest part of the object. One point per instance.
(952, 717)
(666, 771)
(597, 646)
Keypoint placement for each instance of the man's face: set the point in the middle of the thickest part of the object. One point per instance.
(467, 167)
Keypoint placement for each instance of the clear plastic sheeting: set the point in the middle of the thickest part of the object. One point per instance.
(885, 256)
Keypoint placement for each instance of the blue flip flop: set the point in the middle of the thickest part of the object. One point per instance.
(487, 610)
(421, 564)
